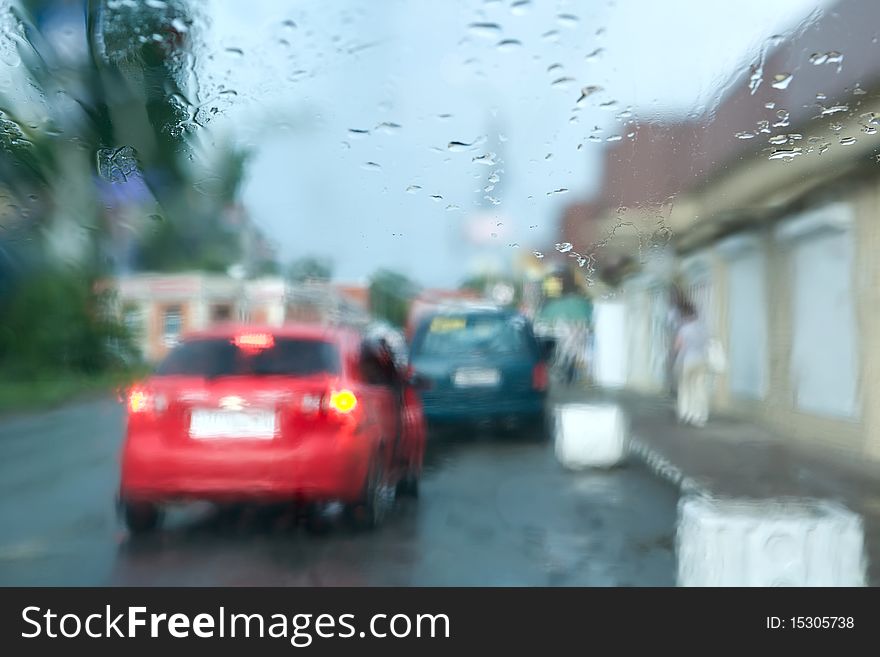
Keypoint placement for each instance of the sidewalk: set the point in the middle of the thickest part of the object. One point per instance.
(735, 458)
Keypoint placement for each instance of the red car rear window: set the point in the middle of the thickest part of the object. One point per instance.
(213, 357)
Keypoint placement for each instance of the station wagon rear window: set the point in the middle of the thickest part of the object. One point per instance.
(486, 334)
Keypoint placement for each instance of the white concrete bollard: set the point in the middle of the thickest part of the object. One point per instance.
(589, 435)
(772, 543)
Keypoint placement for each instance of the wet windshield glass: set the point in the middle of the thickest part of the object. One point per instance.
(679, 199)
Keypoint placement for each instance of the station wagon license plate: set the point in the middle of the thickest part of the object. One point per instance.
(217, 424)
(473, 377)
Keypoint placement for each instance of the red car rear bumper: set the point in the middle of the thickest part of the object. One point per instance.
(312, 469)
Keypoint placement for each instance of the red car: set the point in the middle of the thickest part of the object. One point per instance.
(300, 413)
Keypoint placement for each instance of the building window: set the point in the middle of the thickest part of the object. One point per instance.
(172, 323)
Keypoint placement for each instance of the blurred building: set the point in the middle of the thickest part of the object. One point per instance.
(159, 308)
(764, 211)
(327, 302)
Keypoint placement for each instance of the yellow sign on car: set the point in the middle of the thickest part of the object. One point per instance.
(552, 286)
(447, 324)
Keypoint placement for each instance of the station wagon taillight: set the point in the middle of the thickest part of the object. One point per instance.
(540, 379)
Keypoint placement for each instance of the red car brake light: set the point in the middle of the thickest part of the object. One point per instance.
(254, 341)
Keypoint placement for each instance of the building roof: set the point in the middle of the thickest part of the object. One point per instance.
(833, 58)
(668, 156)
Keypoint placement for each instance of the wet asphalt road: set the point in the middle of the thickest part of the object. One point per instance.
(495, 510)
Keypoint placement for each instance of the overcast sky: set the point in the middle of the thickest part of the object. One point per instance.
(419, 74)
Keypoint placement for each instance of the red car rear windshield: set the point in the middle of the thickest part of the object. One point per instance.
(215, 357)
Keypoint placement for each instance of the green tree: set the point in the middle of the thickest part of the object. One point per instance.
(56, 321)
(310, 268)
(390, 295)
(122, 110)
(114, 111)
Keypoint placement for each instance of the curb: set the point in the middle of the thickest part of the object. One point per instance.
(664, 468)
(691, 491)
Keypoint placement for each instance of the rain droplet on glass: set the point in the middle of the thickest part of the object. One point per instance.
(595, 55)
(781, 80)
(520, 7)
(834, 109)
(782, 121)
(459, 146)
(509, 45)
(588, 91)
(485, 30)
(388, 127)
(785, 154)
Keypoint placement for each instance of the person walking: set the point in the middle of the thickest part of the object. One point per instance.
(692, 364)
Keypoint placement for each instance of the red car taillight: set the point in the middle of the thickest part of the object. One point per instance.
(334, 405)
(142, 400)
(539, 377)
(343, 402)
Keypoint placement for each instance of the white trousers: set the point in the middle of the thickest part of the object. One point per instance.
(693, 394)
